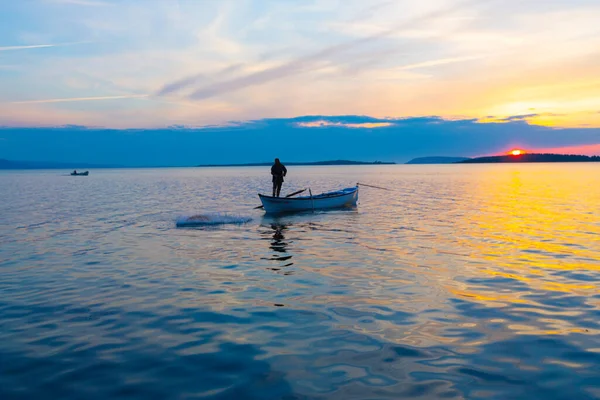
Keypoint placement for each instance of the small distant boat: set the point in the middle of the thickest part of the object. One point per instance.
(343, 198)
(86, 173)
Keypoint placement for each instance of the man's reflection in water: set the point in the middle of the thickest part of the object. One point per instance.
(280, 246)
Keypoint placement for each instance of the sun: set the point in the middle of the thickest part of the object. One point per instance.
(517, 152)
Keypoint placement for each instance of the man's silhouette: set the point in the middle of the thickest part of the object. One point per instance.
(278, 171)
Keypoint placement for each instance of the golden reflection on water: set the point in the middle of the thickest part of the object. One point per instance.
(536, 225)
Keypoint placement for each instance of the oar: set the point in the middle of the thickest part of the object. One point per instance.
(376, 187)
(289, 195)
(295, 193)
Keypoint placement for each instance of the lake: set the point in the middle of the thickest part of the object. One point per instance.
(461, 282)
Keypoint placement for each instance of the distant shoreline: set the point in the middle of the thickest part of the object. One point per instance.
(28, 165)
(299, 164)
(531, 158)
(8, 165)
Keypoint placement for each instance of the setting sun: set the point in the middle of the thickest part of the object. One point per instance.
(517, 152)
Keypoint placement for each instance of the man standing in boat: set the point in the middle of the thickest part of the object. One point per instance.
(278, 171)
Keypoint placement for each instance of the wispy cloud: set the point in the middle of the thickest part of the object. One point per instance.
(185, 82)
(442, 61)
(368, 12)
(39, 46)
(72, 99)
(35, 46)
(324, 123)
(302, 64)
(90, 3)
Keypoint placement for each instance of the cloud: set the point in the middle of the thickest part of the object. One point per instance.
(339, 137)
(301, 64)
(39, 46)
(72, 99)
(90, 3)
(324, 123)
(179, 84)
(181, 51)
(185, 82)
(523, 117)
(35, 46)
(371, 10)
(441, 61)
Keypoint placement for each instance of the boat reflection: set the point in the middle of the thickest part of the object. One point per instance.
(279, 245)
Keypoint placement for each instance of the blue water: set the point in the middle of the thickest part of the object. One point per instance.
(463, 282)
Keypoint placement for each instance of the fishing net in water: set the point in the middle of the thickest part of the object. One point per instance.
(211, 219)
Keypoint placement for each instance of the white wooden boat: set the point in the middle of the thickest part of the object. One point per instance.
(338, 199)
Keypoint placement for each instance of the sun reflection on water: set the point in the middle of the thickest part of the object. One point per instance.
(531, 228)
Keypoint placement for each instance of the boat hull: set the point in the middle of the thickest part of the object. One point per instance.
(86, 173)
(340, 199)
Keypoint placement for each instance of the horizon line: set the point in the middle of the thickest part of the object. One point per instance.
(321, 163)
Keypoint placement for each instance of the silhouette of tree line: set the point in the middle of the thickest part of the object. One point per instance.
(532, 157)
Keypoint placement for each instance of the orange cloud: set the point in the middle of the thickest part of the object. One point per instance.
(323, 123)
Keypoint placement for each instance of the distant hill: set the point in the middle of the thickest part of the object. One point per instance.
(531, 158)
(437, 160)
(333, 162)
(10, 164)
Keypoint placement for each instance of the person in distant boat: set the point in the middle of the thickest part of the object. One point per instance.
(278, 171)
(74, 172)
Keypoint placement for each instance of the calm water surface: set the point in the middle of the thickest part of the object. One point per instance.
(463, 282)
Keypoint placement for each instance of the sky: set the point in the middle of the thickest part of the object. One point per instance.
(505, 67)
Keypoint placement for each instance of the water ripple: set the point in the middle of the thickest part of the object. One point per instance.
(468, 282)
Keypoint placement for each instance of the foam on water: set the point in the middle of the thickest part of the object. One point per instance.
(201, 219)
